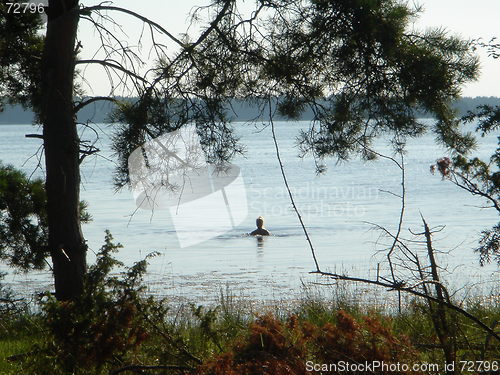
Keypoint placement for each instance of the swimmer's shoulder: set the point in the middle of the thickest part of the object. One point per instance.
(260, 232)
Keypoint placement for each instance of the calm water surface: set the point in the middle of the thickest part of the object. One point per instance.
(340, 209)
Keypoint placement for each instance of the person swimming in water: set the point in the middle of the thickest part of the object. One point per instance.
(260, 231)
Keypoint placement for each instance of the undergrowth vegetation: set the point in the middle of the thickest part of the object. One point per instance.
(115, 328)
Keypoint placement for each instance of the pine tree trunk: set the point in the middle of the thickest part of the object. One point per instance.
(61, 142)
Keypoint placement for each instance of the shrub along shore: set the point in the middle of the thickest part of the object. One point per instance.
(116, 328)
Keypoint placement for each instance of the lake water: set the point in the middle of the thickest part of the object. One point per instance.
(340, 210)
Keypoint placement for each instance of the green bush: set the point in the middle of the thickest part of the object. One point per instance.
(103, 326)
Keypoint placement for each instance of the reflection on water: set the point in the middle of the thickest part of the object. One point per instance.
(260, 244)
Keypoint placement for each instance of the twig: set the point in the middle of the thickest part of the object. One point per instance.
(401, 287)
(401, 214)
(113, 66)
(82, 104)
(432, 260)
(401, 166)
(440, 321)
(40, 136)
(288, 188)
(473, 188)
(88, 10)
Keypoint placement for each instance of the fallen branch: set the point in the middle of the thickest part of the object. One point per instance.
(399, 286)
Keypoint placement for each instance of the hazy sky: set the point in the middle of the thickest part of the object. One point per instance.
(471, 19)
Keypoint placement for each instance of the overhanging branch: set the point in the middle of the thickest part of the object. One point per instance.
(87, 10)
(114, 66)
(93, 100)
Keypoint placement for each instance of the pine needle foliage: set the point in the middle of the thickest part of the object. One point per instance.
(358, 66)
(23, 220)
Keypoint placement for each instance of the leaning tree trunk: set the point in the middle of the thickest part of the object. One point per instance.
(66, 243)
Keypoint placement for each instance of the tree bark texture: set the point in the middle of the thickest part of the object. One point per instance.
(66, 243)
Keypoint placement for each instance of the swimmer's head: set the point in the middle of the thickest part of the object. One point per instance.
(260, 222)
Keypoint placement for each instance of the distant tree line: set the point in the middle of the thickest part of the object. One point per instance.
(99, 112)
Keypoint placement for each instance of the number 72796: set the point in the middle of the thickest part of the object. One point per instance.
(25, 8)
(478, 366)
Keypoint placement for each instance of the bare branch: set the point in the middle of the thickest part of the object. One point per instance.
(369, 149)
(473, 188)
(401, 214)
(88, 10)
(93, 100)
(40, 136)
(399, 287)
(288, 188)
(213, 25)
(114, 66)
